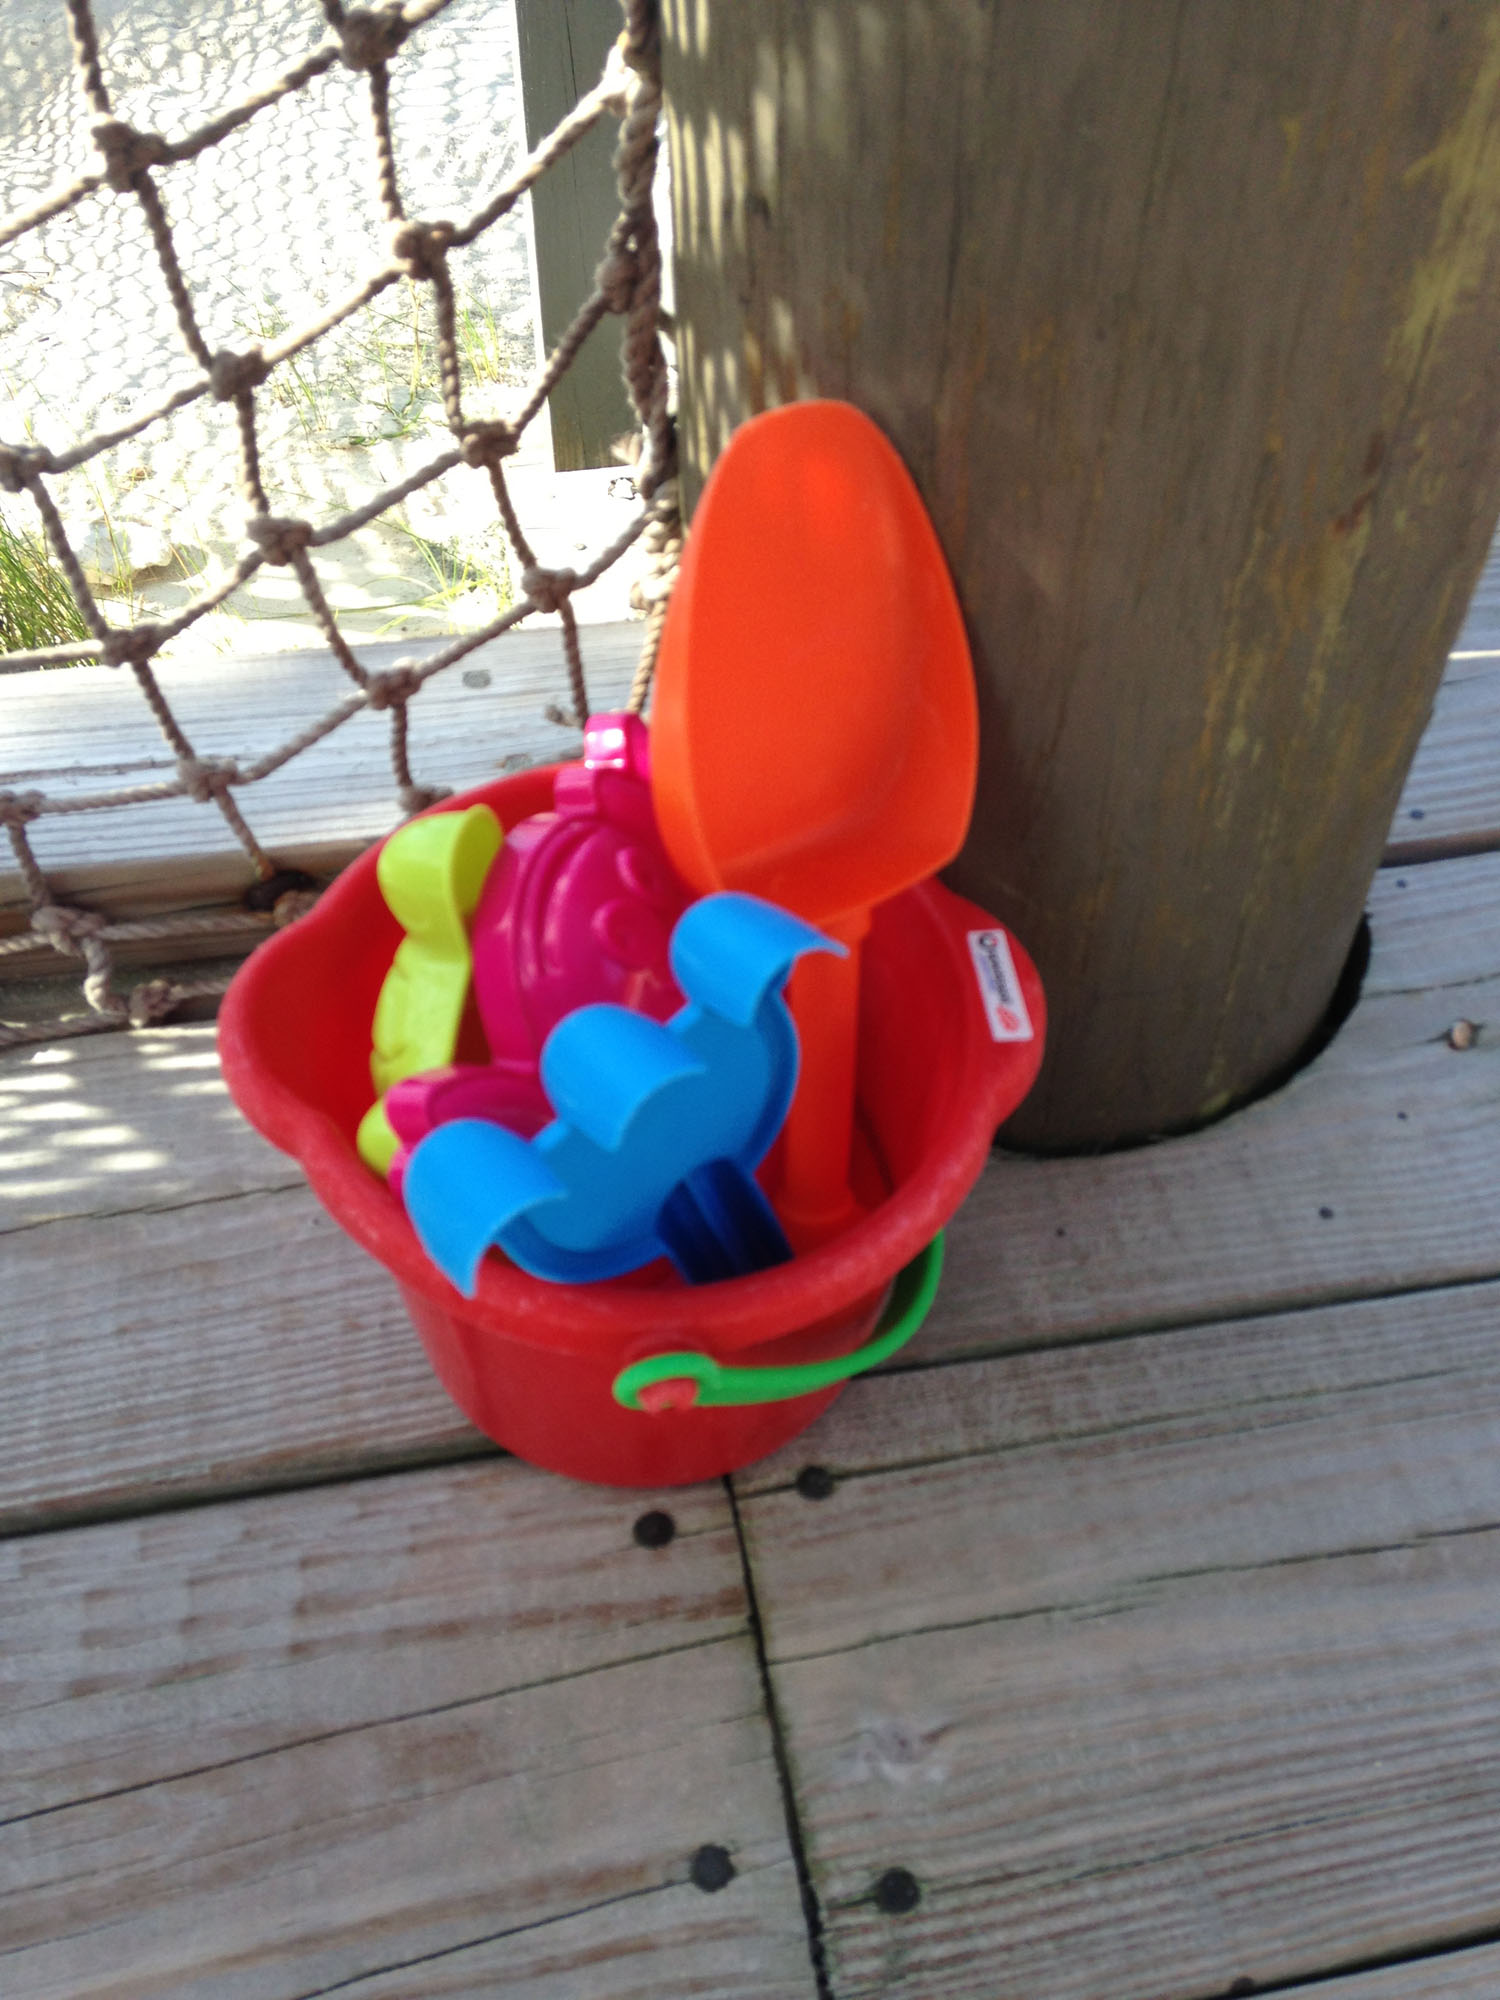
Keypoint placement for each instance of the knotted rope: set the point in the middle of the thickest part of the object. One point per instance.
(365, 40)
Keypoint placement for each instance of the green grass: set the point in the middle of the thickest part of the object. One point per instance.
(482, 345)
(377, 369)
(36, 604)
(456, 573)
(377, 378)
(394, 375)
(292, 384)
(117, 582)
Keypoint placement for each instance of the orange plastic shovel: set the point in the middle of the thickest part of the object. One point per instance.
(814, 732)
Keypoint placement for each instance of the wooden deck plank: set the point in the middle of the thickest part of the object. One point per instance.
(1349, 1418)
(519, 1816)
(108, 1124)
(1160, 1664)
(1248, 1778)
(313, 1738)
(147, 1649)
(87, 730)
(1480, 632)
(303, 1361)
(1451, 800)
(178, 1137)
(1352, 1180)
(173, 1133)
(1434, 929)
(665, 1947)
(205, 1350)
(1457, 1975)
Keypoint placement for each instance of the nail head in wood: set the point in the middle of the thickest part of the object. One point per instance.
(815, 1482)
(711, 1869)
(655, 1530)
(897, 1892)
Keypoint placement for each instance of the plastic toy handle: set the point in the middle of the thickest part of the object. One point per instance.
(714, 1384)
(431, 872)
(813, 1200)
(716, 1223)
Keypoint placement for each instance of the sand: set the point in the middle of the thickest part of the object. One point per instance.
(270, 225)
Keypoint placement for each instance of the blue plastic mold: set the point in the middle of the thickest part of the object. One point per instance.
(659, 1127)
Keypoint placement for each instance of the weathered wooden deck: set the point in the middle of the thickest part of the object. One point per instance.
(1151, 1625)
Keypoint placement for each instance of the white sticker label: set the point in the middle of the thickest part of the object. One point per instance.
(999, 988)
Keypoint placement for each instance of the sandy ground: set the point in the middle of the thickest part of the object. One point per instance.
(271, 224)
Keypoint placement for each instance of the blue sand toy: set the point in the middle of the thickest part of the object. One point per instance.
(659, 1128)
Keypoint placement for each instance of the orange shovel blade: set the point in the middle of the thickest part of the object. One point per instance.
(814, 727)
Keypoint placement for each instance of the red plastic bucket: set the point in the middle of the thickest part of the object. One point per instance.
(941, 1062)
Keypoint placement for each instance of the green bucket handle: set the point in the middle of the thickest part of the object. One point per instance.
(716, 1385)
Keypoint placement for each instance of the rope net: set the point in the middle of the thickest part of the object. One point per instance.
(421, 254)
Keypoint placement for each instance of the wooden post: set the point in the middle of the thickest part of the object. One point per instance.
(1186, 319)
(562, 46)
